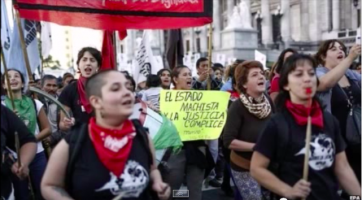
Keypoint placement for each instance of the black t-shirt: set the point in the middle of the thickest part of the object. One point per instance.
(91, 180)
(10, 124)
(325, 144)
(70, 98)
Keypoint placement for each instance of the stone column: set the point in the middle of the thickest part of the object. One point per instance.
(304, 21)
(266, 24)
(230, 6)
(285, 22)
(249, 7)
(217, 24)
(203, 38)
(335, 11)
(162, 41)
(130, 44)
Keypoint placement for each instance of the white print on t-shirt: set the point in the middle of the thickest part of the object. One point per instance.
(322, 150)
(115, 144)
(131, 183)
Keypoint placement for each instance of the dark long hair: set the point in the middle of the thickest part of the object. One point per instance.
(21, 77)
(280, 62)
(290, 65)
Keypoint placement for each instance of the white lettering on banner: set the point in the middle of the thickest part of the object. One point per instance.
(167, 3)
(114, 144)
(30, 34)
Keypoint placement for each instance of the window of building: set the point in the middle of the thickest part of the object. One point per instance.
(198, 45)
(358, 17)
(187, 45)
(259, 29)
(276, 27)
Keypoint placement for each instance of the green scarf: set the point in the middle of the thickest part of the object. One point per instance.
(167, 136)
(26, 111)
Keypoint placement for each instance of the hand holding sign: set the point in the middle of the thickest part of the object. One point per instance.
(197, 115)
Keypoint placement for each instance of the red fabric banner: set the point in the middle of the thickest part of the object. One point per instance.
(108, 57)
(119, 14)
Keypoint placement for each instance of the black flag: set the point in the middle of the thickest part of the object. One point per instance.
(174, 49)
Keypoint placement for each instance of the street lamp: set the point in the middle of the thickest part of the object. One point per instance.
(197, 30)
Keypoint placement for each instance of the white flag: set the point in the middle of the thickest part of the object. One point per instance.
(46, 39)
(16, 57)
(260, 57)
(5, 33)
(145, 63)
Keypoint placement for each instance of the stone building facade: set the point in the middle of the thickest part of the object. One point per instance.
(300, 24)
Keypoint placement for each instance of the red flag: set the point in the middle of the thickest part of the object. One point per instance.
(108, 54)
(122, 34)
(120, 14)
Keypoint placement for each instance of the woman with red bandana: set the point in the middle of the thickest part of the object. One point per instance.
(109, 157)
(277, 162)
(73, 96)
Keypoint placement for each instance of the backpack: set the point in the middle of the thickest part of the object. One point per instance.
(284, 139)
(77, 140)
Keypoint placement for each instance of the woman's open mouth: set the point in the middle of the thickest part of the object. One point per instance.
(14, 84)
(127, 103)
(88, 70)
(340, 57)
(261, 84)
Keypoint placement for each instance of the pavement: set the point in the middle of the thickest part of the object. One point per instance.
(209, 193)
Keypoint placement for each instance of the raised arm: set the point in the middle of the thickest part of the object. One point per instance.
(331, 78)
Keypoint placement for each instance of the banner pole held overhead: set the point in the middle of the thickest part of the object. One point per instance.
(210, 57)
(23, 47)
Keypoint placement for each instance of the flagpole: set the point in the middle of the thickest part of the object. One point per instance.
(22, 42)
(9, 91)
(176, 60)
(41, 54)
(210, 57)
(115, 49)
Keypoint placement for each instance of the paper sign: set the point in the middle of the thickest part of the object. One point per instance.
(197, 115)
(260, 57)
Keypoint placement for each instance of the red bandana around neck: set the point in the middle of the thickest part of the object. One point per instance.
(300, 113)
(82, 96)
(112, 146)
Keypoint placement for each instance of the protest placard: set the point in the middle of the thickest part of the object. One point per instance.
(197, 115)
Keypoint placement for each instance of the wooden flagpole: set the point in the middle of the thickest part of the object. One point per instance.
(210, 58)
(115, 49)
(23, 46)
(9, 91)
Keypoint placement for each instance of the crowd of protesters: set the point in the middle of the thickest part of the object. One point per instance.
(100, 153)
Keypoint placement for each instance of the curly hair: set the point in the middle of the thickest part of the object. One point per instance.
(242, 72)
